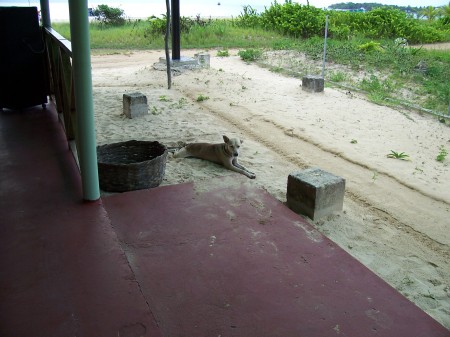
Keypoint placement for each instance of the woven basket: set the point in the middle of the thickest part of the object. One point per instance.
(131, 165)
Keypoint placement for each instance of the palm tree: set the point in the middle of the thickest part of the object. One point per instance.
(445, 10)
(445, 14)
(430, 12)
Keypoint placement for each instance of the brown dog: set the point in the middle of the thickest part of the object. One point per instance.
(223, 154)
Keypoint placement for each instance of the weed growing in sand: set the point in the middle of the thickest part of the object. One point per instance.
(378, 90)
(374, 176)
(407, 281)
(442, 153)
(164, 98)
(250, 55)
(354, 141)
(337, 76)
(276, 69)
(417, 170)
(223, 53)
(154, 110)
(398, 155)
(180, 104)
(202, 98)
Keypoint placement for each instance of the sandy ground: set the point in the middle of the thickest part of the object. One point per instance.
(396, 217)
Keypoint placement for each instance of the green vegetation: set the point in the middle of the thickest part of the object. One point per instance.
(250, 55)
(223, 53)
(398, 155)
(376, 42)
(202, 98)
(109, 15)
(442, 154)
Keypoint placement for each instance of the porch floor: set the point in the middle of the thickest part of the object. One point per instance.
(211, 258)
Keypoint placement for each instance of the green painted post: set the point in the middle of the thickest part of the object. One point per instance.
(85, 133)
(45, 13)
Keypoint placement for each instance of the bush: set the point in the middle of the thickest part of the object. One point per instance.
(370, 46)
(250, 54)
(158, 25)
(249, 18)
(109, 15)
(294, 19)
(382, 23)
(424, 33)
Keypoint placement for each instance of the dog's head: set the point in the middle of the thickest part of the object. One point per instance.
(233, 145)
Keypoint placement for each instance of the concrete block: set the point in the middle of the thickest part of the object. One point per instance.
(135, 104)
(204, 59)
(184, 61)
(313, 83)
(315, 193)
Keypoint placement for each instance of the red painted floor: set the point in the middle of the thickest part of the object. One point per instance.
(185, 260)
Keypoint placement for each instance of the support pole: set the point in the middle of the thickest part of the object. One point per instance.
(85, 133)
(166, 46)
(45, 14)
(325, 47)
(176, 30)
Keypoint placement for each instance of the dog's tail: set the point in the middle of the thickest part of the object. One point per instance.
(173, 149)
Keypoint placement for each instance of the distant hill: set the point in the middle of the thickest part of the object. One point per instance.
(371, 5)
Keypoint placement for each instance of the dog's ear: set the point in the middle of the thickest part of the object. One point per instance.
(226, 139)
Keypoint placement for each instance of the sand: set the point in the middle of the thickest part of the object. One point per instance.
(396, 217)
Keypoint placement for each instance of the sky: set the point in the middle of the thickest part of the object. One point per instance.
(145, 8)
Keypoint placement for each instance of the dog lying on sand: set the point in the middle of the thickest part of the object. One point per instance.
(223, 154)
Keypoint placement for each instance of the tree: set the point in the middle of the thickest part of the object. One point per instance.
(445, 14)
(109, 15)
(430, 12)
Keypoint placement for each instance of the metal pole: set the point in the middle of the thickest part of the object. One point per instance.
(85, 133)
(166, 46)
(45, 13)
(176, 30)
(325, 47)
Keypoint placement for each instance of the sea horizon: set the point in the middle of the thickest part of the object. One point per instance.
(59, 10)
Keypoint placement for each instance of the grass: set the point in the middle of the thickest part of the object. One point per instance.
(250, 55)
(391, 67)
(378, 90)
(442, 154)
(398, 155)
(395, 68)
(223, 53)
(337, 76)
(202, 98)
(222, 34)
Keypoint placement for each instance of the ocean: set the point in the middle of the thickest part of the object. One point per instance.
(59, 9)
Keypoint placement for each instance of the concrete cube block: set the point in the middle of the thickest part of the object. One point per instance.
(135, 104)
(204, 59)
(315, 193)
(313, 83)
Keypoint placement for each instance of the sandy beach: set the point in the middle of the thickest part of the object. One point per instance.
(396, 217)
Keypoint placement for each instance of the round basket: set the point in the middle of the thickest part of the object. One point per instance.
(131, 165)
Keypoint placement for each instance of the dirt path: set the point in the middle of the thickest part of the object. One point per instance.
(395, 217)
(441, 46)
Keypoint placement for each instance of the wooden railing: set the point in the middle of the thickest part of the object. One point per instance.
(61, 82)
